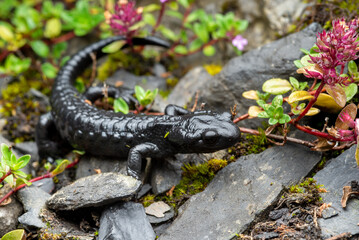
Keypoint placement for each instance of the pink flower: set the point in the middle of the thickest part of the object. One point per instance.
(163, 1)
(239, 42)
(336, 47)
(125, 16)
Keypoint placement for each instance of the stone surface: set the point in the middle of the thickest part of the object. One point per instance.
(165, 174)
(249, 71)
(88, 164)
(28, 148)
(158, 220)
(144, 190)
(46, 184)
(95, 190)
(33, 200)
(186, 88)
(125, 221)
(339, 172)
(240, 192)
(9, 213)
(157, 209)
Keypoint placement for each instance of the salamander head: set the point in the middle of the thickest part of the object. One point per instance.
(203, 133)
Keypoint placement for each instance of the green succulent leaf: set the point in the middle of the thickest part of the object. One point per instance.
(298, 63)
(114, 47)
(350, 91)
(6, 154)
(18, 234)
(21, 162)
(276, 86)
(352, 68)
(294, 83)
(277, 100)
(272, 121)
(19, 173)
(61, 167)
(58, 49)
(119, 105)
(209, 51)
(40, 48)
(180, 49)
(263, 115)
(49, 70)
(20, 181)
(52, 28)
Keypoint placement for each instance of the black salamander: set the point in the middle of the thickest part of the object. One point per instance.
(106, 133)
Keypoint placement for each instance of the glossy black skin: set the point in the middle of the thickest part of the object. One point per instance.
(106, 133)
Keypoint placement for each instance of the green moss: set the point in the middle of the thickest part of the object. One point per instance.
(250, 144)
(195, 179)
(310, 188)
(21, 110)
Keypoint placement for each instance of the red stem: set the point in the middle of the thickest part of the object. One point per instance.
(245, 116)
(47, 175)
(321, 134)
(63, 38)
(3, 177)
(310, 104)
(159, 19)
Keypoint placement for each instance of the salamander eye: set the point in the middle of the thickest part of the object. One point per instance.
(210, 137)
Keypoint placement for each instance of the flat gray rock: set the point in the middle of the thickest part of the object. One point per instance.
(339, 172)
(240, 192)
(95, 190)
(33, 200)
(88, 164)
(9, 213)
(125, 221)
(249, 71)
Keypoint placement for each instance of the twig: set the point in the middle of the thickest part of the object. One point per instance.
(195, 102)
(277, 137)
(245, 116)
(94, 63)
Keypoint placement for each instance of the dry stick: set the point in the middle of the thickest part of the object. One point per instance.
(195, 102)
(278, 137)
(94, 63)
(340, 236)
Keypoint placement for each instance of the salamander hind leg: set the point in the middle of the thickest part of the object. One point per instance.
(175, 110)
(137, 153)
(96, 92)
(49, 142)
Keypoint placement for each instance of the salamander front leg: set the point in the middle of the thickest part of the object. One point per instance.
(134, 162)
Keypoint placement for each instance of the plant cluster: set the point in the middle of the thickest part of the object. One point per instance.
(198, 30)
(326, 62)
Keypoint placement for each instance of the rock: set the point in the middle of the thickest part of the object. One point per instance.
(58, 228)
(240, 192)
(28, 148)
(88, 164)
(158, 70)
(266, 235)
(4, 140)
(9, 213)
(46, 185)
(144, 190)
(281, 14)
(125, 221)
(95, 190)
(158, 220)
(161, 228)
(339, 172)
(249, 71)
(33, 199)
(157, 209)
(276, 214)
(165, 174)
(186, 88)
(329, 212)
(38, 96)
